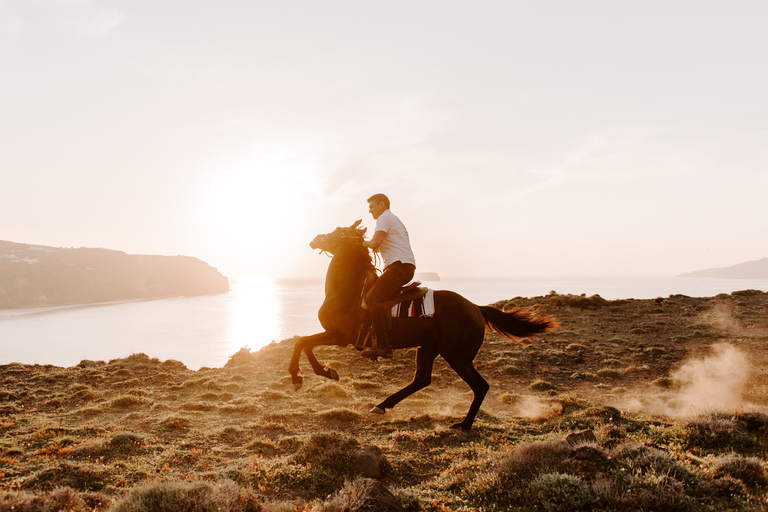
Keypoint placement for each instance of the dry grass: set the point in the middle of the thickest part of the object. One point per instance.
(139, 434)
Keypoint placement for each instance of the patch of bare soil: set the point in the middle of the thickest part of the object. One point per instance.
(670, 387)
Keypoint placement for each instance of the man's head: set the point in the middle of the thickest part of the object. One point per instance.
(378, 204)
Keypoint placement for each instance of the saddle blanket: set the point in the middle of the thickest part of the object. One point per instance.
(424, 306)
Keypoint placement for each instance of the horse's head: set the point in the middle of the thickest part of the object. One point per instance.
(330, 241)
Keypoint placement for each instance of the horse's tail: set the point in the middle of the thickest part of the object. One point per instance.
(517, 323)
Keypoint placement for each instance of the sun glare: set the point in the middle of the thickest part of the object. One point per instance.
(253, 207)
(255, 313)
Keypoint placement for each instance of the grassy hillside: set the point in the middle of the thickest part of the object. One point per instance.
(33, 276)
(675, 391)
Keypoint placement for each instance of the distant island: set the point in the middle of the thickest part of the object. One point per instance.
(35, 276)
(757, 269)
(426, 276)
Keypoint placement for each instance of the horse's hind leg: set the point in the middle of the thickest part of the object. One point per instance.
(425, 358)
(480, 387)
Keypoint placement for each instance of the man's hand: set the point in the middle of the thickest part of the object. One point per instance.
(376, 241)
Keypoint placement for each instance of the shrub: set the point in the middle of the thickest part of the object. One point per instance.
(63, 498)
(243, 356)
(650, 460)
(533, 459)
(579, 301)
(128, 402)
(509, 398)
(330, 390)
(653, 492)
(185, 496)
(175, 423)
(263, 447)
(272, 396)
(723, 487)
(363, 494)
(540, 385)
(197, 406)
(749, 470)
(126, 442)
(330, 451)
(609, 373)
(612, 433)
(755, 422)
(173, 364)
(663, 382)
(720, 434)
(557, 492)
(82, 478)
(511, 370)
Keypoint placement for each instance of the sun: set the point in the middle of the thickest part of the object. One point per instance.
(254, 207)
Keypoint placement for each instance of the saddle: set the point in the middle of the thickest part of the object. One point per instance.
(409, 293)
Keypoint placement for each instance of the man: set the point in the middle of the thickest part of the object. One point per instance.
(390, 238)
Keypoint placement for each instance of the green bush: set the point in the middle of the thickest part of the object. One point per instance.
(187, 497)
(555, 492)
(126, 442)
(330, 451)
(540, 385)
(81, 478)
(652, 492)
(749, 470)
(645, 459)
(718, 433)
(128, 402)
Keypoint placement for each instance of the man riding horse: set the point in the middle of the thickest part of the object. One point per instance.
(455, 330)
(390, 239)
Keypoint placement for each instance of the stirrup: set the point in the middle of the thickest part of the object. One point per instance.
(375, 351)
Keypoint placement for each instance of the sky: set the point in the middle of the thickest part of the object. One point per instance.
(514, 138)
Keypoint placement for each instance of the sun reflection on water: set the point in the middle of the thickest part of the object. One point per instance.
(254, 314)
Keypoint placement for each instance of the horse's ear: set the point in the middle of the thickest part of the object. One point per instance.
(357, 223)
(362, 231)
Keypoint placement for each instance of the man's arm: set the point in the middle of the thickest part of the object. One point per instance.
(376, 240)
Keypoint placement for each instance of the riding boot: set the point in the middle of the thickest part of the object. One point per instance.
(383, 348)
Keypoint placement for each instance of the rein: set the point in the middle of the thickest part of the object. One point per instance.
(352, 240)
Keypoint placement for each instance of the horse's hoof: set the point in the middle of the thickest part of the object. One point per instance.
(334, 374)
(376, 410)
(460, 426)
(297, 382)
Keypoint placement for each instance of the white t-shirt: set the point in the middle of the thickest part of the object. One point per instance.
(396, 245)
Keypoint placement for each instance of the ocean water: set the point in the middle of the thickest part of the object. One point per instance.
(206, 331)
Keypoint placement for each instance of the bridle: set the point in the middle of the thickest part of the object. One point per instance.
(345, 239)
(339, 239)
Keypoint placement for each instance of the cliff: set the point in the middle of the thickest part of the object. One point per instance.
(33, 276)
(757, 269)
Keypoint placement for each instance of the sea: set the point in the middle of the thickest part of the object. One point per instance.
(206, 331)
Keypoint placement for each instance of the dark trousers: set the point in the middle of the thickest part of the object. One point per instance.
(391, 280)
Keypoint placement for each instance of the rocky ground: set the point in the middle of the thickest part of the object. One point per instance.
(675, 391)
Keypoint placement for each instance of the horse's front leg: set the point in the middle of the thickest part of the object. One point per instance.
(304, 343)
(319, 369)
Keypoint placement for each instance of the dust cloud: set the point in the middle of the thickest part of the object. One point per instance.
(723, 317)
(534, 409)
(714, 383)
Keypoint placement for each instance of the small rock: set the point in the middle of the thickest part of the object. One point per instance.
(370, 462)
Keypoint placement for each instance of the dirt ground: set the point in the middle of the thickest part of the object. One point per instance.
(105, 428)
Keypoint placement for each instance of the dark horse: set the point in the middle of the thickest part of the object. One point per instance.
(456, 330)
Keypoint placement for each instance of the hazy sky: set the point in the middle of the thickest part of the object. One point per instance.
(515, 138)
